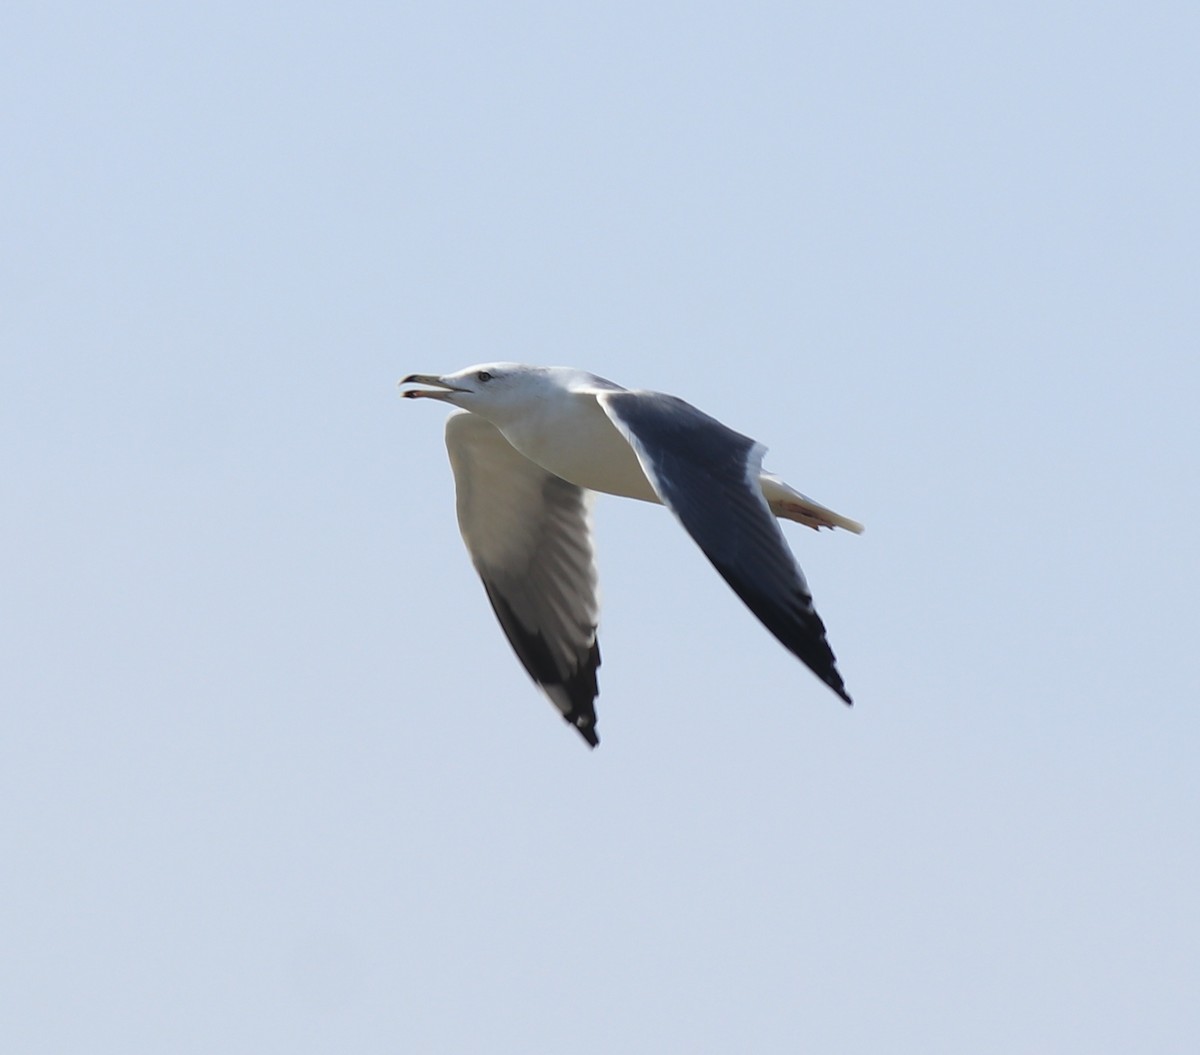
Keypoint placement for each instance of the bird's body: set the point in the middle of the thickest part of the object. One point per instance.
(574, 438)
(539, 440)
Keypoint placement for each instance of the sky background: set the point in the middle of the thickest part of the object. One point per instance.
(270, 777)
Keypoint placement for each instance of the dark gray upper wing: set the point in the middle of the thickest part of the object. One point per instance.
(707, 475)
(529, 536)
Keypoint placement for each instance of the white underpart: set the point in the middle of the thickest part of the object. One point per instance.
(570, 435)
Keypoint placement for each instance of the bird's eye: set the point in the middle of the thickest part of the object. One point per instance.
(483, 375)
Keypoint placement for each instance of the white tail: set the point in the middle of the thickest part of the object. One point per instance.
(789, 504)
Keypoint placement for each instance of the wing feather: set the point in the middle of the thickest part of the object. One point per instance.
(529, 536)
(708, 476)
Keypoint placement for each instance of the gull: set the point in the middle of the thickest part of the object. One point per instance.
(528, 447)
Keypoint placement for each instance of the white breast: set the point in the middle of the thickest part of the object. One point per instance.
(573, 438)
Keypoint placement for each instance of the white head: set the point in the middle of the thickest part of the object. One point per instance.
(496, 391)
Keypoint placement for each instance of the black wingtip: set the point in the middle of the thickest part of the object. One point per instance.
(588, 732)
(834, 680)
(585, 726)
(573, 693)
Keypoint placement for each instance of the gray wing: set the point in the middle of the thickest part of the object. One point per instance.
(529, 536)
(707, 475)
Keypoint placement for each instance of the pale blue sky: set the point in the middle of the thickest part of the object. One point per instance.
(270, 778)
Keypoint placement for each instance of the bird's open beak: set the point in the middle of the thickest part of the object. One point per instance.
(427, 379)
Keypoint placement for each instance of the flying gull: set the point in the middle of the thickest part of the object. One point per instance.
(530, 445)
